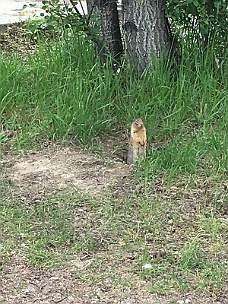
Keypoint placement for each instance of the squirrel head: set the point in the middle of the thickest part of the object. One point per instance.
(138, 123)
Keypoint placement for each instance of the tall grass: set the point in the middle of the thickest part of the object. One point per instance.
(61, 92)
(51, 95)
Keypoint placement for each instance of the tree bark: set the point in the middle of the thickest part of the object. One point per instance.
(109, 27)
(146, 31)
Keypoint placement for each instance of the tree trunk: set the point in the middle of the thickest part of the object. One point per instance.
(109, 27)
(146, 31)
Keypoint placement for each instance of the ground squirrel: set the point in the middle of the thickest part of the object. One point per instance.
(137, 144)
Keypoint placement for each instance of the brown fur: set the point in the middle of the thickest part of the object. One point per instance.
(137, 143)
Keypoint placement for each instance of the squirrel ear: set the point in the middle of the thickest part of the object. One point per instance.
(136, 120)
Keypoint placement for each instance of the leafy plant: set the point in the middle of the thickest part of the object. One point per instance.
(60, 17)
(200, 22)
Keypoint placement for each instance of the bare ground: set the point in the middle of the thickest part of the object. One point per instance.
(21, 284)
(33, 177)
(58, 169)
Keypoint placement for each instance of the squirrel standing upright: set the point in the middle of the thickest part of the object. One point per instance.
(137, 143)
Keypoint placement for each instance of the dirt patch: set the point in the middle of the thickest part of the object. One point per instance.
(57, 169)
(20, 284)
(59, 287)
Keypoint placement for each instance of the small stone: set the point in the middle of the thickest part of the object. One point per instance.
(56, 277)
(147, 266)
(187, 301)
(180, 302)
(30, 289)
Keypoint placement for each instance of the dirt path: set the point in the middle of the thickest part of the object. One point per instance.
(12, 10)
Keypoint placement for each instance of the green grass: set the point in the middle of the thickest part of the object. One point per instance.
(61, 93)
(35, 232)
(63, 227)
(48, 96)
